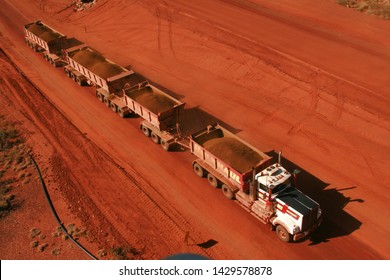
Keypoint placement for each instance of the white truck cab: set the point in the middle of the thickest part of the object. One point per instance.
(295, 215)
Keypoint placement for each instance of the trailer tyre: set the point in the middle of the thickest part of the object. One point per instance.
(165, 145)
(212, 180)
(283, 233)
(227, 192)
(114, 107)
(121, 113)
(198, 170)
(155, 138)
(67, 72)
(99, 96)
(107, 102)
(146, 131)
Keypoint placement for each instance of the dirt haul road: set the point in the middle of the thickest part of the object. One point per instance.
(310, 80)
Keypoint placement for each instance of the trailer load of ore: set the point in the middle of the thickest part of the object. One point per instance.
(153, 101)
(233, 152)
(43, 32)
(96, 63)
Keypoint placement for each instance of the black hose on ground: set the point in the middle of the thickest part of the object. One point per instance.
(55, 213)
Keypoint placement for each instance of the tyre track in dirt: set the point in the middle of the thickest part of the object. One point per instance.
(282, 63)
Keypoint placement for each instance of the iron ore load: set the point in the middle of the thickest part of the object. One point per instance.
(244, 173)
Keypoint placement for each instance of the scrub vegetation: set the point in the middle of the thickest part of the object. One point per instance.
(380, 8)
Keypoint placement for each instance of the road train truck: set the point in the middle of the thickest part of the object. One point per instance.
(246, 174)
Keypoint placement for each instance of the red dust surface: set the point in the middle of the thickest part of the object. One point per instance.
(310, 78)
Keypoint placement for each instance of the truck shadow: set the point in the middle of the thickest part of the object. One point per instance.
(337, 222)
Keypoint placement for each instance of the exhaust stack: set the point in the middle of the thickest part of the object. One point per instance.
(252, 186)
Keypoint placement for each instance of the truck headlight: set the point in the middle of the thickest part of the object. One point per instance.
(296, 229)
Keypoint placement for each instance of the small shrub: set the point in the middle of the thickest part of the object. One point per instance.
(4, 204)
(9, 197)
(55, 252)
(70, 228)
(57, 232)
(19, 159)
(4, 188)
(119, 253)
(34, 232)
(34, 244)
(42, 247)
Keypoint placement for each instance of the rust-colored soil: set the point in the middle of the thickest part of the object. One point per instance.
(310, 78)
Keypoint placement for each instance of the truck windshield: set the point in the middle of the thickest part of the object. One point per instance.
(281, 186)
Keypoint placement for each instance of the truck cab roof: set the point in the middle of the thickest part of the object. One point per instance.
(273, 176)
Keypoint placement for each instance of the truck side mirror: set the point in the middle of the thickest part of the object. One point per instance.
(295, 173)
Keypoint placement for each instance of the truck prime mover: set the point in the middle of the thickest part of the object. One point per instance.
(243, 172)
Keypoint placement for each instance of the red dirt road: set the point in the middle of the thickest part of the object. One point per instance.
(310, 78)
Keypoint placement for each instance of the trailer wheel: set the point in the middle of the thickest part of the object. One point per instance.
(114, 107)
(79, 82)
(283, 233)
(107, 102)
(212, 180)
(67, 73)
(155, 138)
(121, 113)
(199, 170)
(146, 131)
(227, 191)
(164, 144)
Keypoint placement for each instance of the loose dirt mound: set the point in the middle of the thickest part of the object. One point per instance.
(106, 69)
(234, 153)
(96, 63)
(87, 58)
(153, 101)
(43, 32)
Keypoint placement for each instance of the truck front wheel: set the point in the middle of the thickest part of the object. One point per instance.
(283, 233)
